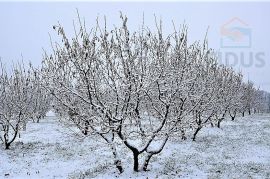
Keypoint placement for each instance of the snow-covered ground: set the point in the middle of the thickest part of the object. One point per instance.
(240, 149)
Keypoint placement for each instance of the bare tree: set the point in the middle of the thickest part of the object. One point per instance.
(41, 99)
(136, 86)
(206, 84)
(261, 101)
(235, 95)
(16, 97)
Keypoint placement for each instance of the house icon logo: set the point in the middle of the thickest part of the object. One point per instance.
(235, 34)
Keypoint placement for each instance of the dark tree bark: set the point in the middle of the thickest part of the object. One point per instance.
(85, 131)
(38, 119)
(134, 150)
(6, 139)
(196, 132)
(119, 166)
(117, 162)
(135, 161)
(233, 115)
(221, 119)
(199, 123)
(148, 157)
(218, 124)
(183, 135)
(152, 153)
(7, 145)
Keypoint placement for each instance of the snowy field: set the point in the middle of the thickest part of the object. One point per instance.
(240, 149)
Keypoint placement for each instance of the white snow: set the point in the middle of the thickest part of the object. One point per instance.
(240, 149)
(50, 113)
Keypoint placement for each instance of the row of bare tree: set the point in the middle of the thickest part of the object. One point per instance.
(142, 88)
(139, 88)
(21, 98)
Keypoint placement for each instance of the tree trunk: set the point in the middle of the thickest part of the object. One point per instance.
(220, 120)
(146, 162)
(196, 132)
(183, 135)
(85, 131)
(243, 114)
(117, 161)
(135, 161)
(134, 150)
(233, 115)
(7, 145)
(118, 165)
(249, 112)
(6, 139)
(218, 124)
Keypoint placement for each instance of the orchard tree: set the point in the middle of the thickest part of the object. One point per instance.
(41, 99)
(15, 99)
(235, 95)
(206, 85)
(223, 93)
(133, 86)
(247, 97)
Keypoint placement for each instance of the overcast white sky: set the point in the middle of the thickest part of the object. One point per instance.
(24, 27)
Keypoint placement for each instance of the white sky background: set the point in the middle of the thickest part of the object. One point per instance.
(24, 26)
